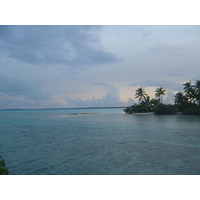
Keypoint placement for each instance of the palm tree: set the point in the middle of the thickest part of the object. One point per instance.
(197, 91)
(179, 98)
(147, 101)
(159, 92)
(153, 104)
(141, 94)
(197, 84)
(187, 87)
(189, 91)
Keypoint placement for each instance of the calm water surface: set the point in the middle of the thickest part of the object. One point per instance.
(99, 141)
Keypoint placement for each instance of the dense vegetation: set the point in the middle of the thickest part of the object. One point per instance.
(187, 102)
(189, 99)
(3, 169)
(166, 109)
(194, 110)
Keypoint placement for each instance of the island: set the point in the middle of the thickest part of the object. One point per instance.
(186, 102)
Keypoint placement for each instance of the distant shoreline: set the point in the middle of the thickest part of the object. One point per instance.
(12, 109)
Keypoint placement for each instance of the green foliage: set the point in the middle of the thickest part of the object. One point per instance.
(194, 110)
(3, 169)
(182, 107)
(189, 97)
(166, 109)
(136, 108)
(153, 104)
(197, 91)
(141, 108)
(128, 110)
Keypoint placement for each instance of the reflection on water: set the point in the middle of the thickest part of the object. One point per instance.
(99, 141)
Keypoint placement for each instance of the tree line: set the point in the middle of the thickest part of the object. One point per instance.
(187, 102)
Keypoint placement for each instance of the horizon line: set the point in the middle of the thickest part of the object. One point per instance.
(62, 108)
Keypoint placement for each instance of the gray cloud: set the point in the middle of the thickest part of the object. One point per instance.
(66, 45)
(167, 49)
(133, 31)
(169, 81)
(17, 103)
(14, 87)
(142, 31)
(15, 93)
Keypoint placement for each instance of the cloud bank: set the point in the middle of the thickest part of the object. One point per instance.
(111, 99)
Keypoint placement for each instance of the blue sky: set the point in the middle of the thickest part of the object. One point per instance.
(83, 66)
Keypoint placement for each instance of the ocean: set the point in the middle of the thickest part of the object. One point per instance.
(99, 141)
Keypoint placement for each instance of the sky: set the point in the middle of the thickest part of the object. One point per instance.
(94, 66)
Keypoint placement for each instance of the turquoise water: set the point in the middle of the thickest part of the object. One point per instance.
(99, 142)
